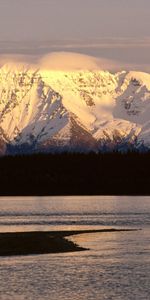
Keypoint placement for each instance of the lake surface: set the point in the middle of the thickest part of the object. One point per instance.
(117, 266)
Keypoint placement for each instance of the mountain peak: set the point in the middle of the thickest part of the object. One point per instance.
(40, 107)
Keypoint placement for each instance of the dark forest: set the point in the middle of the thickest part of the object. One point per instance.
(76, 174)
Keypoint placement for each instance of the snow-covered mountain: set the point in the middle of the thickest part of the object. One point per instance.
(42, 110)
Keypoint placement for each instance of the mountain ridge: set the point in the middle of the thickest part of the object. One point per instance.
(45, 110)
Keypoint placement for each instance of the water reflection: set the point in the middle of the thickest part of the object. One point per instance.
(56, 213)
(116, 267)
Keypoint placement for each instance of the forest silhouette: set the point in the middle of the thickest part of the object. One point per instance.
(76, 174)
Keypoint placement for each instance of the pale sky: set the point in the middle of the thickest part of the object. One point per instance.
(118, 30)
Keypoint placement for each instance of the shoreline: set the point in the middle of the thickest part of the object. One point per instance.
(44, 242)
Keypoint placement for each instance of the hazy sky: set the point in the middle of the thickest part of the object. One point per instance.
(112, 29)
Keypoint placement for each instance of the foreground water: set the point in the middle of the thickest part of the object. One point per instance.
(117, 266)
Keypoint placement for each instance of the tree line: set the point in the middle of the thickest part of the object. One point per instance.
(76, 174)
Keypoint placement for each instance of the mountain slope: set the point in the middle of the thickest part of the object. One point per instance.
(77, 111)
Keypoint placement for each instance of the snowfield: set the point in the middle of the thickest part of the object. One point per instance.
(80, 110)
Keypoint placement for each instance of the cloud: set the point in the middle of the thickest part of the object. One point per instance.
(63, 45)
(68, 61)
(103, 43)
(18, 61)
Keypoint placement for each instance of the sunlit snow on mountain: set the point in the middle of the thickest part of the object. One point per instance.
(52, 110)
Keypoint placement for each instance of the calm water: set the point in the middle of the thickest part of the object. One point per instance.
(117, 266)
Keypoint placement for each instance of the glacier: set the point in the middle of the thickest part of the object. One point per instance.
(50, 110)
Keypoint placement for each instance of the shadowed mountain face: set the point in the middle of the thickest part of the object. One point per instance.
(74, 111)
